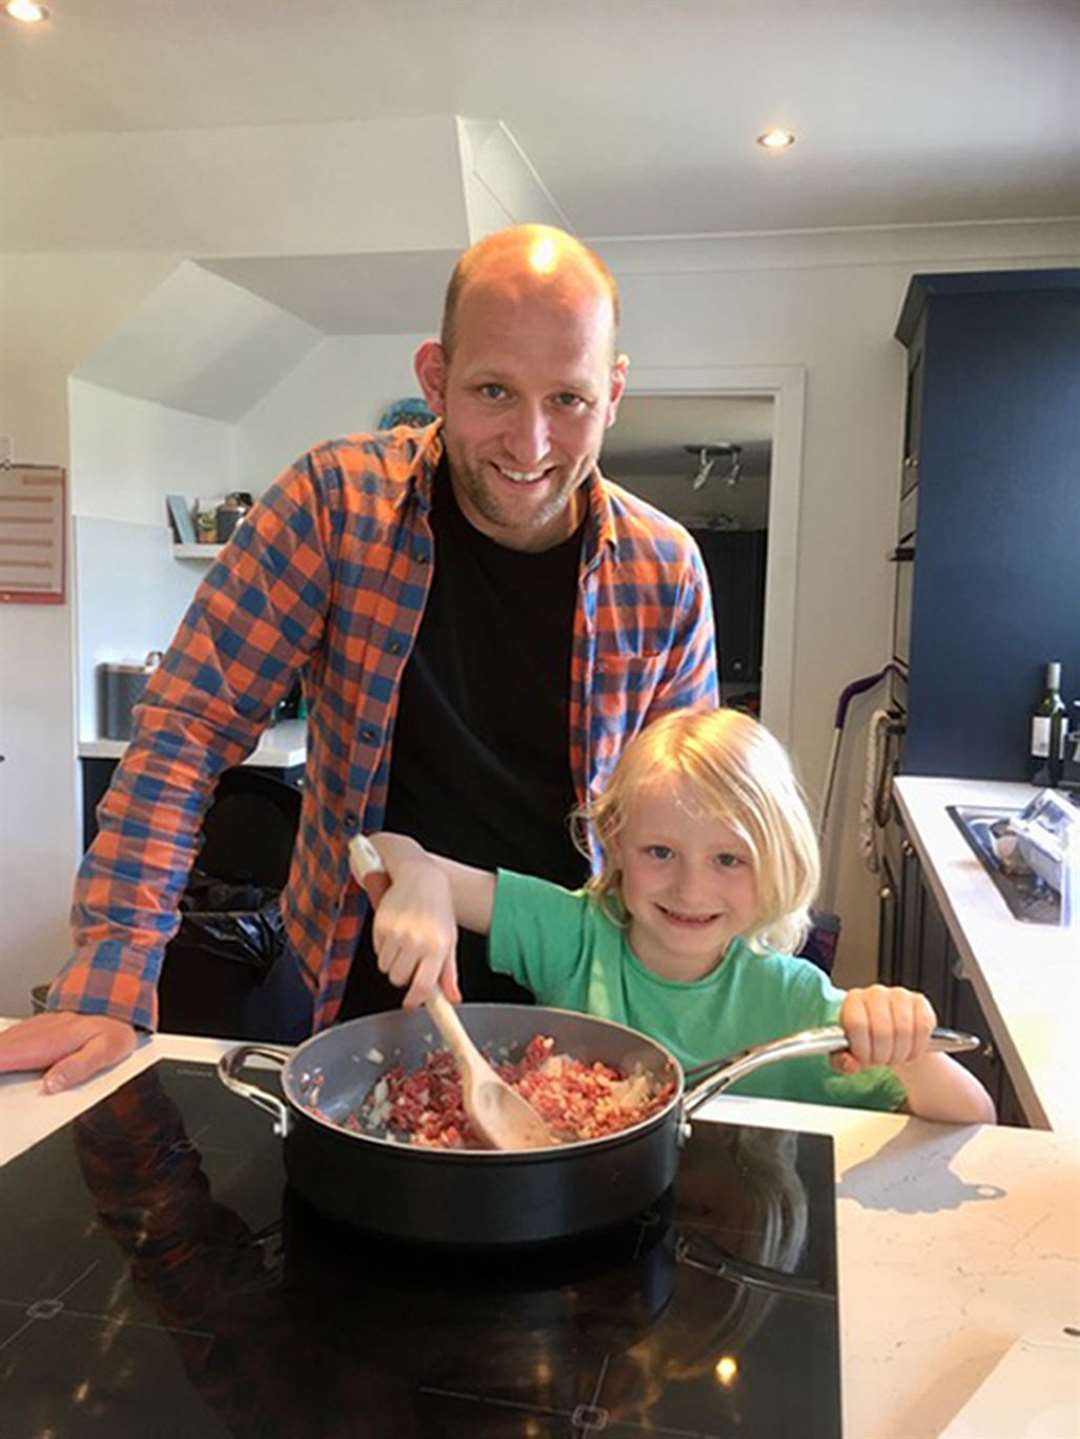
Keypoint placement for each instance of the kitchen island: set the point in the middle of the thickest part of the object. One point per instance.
(957, 1246)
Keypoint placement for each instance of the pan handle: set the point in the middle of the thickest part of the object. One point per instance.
(830, 1040)
(229, 1067)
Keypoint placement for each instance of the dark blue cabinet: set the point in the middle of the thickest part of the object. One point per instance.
(988, 575)
(916, 949)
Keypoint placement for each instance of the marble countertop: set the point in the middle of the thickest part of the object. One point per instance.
(1026, 976)
(280, 747)
(958, 1251)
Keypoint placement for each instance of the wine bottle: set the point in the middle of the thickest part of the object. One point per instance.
(1048, 727)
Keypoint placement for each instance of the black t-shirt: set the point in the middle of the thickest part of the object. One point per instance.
(480, 768)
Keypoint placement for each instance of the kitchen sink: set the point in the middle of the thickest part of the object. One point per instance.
(1027, 893)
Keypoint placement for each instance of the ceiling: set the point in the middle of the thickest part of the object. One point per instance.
(652, 433)
(639, 117)
(647, 451)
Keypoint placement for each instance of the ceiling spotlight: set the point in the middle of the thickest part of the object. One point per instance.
(26, 11)
(776, 140)
(707, 456)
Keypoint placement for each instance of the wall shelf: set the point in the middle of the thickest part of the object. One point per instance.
(196, 552)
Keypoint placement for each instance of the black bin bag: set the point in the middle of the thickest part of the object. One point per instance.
(227, 971)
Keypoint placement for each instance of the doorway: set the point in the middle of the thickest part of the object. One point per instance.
(720, 451)
(705, 460)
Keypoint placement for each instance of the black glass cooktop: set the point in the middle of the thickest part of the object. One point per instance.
(159, 1279)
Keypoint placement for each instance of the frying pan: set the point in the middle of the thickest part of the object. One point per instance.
(490, 1198)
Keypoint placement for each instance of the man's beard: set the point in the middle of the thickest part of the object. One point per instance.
(500, 511)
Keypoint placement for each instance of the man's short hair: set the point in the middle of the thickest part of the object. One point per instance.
(474, 256)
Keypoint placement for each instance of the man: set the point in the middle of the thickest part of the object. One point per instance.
(480, 619)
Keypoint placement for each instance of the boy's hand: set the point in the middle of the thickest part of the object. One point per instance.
(883, 1026)
(415, 933)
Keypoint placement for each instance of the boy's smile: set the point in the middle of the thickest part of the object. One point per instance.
(688, 882)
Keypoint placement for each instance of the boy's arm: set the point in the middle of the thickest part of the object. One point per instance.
(892, 1026)
(939, 1088)
(417, 915)
(472, 891)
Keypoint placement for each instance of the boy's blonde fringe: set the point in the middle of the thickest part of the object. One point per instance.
(745, 779)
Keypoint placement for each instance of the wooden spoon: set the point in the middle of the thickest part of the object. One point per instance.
(501, 1117)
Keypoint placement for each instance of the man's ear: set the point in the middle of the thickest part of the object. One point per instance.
(618, 384)
(429, 365)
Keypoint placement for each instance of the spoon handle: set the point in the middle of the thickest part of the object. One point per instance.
(453, 1031)
(367, 867)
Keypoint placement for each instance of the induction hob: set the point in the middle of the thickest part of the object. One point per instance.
(159, 1279)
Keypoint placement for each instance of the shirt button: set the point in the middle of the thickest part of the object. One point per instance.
(369, 735)
(394, 647)
(420, 556)
(350, 824)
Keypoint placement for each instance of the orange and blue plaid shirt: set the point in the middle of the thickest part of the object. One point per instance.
(328, 577)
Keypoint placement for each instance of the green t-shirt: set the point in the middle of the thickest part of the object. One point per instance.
(566, 950)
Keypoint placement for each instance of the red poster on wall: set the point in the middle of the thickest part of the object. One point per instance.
(33, 526)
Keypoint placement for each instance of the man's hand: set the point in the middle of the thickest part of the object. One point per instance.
(68, 1047)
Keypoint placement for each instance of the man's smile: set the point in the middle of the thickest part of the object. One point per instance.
(524, 477)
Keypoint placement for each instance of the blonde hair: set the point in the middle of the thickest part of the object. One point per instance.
(744, 778)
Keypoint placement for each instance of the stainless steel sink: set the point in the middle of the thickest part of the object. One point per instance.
(1029, 898)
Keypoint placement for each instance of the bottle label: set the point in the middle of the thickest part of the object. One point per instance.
(1043, 728)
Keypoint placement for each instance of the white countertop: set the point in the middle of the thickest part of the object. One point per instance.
(280, 747)
(957, 1247)
(1026, 976)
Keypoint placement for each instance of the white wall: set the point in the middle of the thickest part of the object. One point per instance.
(128, 454)
(337, 389)
(829, 303)
(201, 344)
(55, 309)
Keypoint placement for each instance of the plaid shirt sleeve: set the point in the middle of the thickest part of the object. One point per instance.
(256, 617)
(645, 641)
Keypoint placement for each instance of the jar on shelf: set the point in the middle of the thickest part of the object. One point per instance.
(231, 513)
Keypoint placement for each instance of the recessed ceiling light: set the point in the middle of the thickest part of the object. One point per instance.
(26, 11)
(776, 140)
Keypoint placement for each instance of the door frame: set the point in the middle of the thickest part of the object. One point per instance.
(785, 385)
